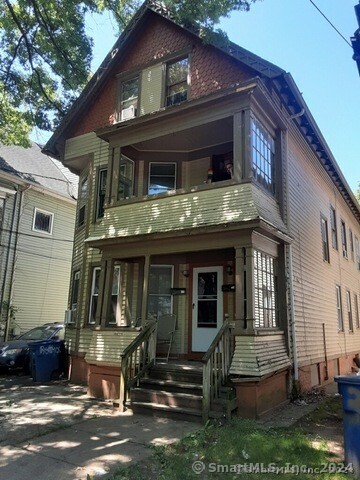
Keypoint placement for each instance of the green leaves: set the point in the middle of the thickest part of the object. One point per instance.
(45, 54)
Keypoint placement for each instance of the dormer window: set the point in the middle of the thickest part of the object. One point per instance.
(177, 81)
(129, 95)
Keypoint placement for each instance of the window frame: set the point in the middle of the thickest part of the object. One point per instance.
(149, 178)
(117, 320)
(357, 253)
(82, 201)
(349, 311)
(333, 228)
(325, 241)
(168, 86)
(356, 304)
(340, 317)
(343, 239)
(263, 169)
(120, 178)
(265, 317)
(94, 269)
(122, 82)
(171, 268)
(99, 203)
(73, 306)
(351, 241)
(44, 212)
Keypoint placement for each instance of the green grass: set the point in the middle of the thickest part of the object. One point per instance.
(239, 442)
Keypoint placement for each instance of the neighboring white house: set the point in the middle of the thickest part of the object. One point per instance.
(37, 218)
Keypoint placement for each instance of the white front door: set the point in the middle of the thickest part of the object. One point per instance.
(207, 311)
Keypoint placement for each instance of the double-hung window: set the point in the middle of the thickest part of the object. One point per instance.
(177, 81)
(115, 309)
(339, 309)
(351, 239)
(343, 239)
(129, 97)
(75, 290)
(357, 252)
(333, 226)
(83, 191)
(262, 155)
(160, 283)
(349, 311)
(162, 178)
(101, 192)
(126, 178)
(325, 240)
(356, 305)
(43, 221)
(94, 294)
(264, 290)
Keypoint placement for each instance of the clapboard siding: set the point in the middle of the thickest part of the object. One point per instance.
(43, 262)
(106, 347)
(311, 192)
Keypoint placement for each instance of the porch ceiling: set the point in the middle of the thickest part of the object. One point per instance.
(196, 138)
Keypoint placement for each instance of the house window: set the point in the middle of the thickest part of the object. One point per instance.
(82, 201)
(263, 154)
(115, 312)
(126, 178)
(162, 178)
(333, 226)
(349, 311)
(43, 221)
(94, 294)
(129, 95)
(351, 237)
(160, 283)
(325, 240)
(357, 252)
(2, 203)
(356, 304)
(102, 176)
(75, 290)
(339, 309)
(177, 81)
(264, 290)
(343, 239)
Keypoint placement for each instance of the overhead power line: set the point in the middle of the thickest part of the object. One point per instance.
(330, 23)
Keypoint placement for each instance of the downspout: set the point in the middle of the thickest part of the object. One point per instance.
(7, 322)
(8, 258)
(292, 315)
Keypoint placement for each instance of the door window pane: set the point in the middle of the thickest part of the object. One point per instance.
(207, 299)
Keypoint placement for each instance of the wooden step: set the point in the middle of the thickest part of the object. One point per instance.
(177, 373)
(171, 385)
(161, 397)
(159, 410)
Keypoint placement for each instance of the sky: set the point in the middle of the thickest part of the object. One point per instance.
(294, 35)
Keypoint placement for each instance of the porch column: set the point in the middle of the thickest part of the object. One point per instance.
(113, 176)
(144, 302)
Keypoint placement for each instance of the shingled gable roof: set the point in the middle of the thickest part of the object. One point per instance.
(282, 82)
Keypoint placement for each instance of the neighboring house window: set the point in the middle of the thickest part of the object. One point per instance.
(75, 290)
(333, 226)
(102, 176)
(343, 239)
(349, 311)
(126, 178)
(351, 237)
(263, 154)
(82, 201)
(115, 312)
(43, 221)
(94, 294)
(339, 309)
(356, 304)
(177, 81)
(129, 96)
(2, 203)
(357, 252)
(162, 178)
(160, 283)
(325, 240)
(264, 290)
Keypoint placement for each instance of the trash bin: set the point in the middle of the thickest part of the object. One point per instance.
(349, 388)
(47, 360)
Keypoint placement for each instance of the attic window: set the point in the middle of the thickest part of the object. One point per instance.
(43, 221)
(129, 99)
(177, 81)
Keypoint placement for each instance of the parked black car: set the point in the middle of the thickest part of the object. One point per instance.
(15, 354)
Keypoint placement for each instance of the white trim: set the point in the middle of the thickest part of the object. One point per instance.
(51, 215)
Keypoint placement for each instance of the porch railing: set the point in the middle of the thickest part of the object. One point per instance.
(136, 360)
(216, 366)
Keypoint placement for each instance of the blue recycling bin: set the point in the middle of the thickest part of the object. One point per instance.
(47, 359)
(349, 388)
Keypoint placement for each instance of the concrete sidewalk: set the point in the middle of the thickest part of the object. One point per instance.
(54, 431)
